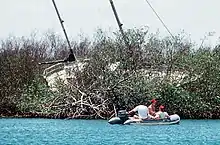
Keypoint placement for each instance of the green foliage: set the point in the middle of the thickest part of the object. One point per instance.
(35, 96)
(144, 70)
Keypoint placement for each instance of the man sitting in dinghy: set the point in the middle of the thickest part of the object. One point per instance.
(151, 108)
(143, 112)
(161, 114)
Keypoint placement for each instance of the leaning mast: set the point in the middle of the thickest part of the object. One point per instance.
(119, 23)
(67, 39)
(71, 56)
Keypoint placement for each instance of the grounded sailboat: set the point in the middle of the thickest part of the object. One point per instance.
(63, 68)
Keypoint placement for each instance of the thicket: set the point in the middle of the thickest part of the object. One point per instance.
(183, 77)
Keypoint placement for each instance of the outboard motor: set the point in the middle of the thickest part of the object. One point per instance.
(123, 115)
(120, 119)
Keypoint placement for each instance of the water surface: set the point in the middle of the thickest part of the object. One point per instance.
(99, 132)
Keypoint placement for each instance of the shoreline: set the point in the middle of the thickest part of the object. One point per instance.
(50, 116)
(83, 117)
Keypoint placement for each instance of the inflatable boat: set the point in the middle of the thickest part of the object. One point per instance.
(123, 119)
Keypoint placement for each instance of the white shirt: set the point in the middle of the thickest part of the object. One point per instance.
(142, 111)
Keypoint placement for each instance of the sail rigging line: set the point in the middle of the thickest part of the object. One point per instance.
(172, 59)
(160, 19)
(71, 55)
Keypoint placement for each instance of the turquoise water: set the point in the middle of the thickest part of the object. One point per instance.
(96, 132)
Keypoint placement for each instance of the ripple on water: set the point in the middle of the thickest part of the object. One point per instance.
(96, 132)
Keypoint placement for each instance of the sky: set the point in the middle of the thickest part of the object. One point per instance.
(196, 17)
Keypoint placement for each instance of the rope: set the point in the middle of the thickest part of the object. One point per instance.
(172, 59)
(160, 19)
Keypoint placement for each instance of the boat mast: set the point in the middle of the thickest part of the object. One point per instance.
(71, 56)
(119, 23)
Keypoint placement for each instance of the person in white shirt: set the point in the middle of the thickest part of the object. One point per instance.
(143, 112)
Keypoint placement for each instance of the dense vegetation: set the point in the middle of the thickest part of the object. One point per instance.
(181, 76)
